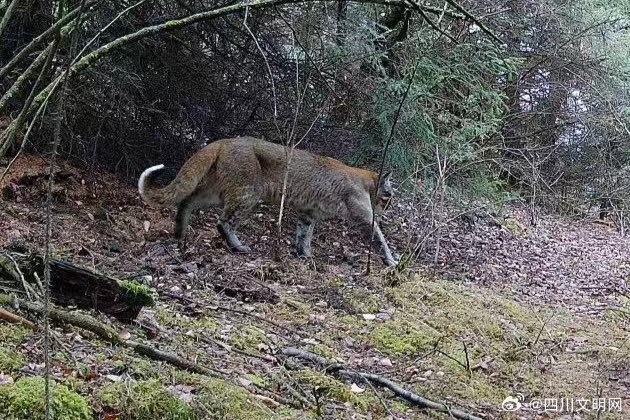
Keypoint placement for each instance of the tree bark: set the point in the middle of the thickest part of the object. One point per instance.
(72, 285)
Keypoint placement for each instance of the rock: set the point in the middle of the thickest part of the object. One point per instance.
(5, 379)
(356, 389)
(148, 280)
(245, 382)
(383, 316)
(189, 267)
(385, 361)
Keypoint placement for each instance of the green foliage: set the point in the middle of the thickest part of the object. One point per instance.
(327, 386)
(144, 400)
(24, 400)
(11, 335)
(454, 108)
(210, 398)
(483, 183)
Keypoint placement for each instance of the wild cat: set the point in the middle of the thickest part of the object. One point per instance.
(238, 173)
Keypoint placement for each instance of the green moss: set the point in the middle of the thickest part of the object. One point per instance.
(219, 399)
(215, 398)
(166, 317)
(206, 323)
(479, 388)
(528, 376)
(349, 320)
(474, 385)
(335, 282)
(321, 349)
(514, 226)
(399, 405)
(100, 357)
(143, 400)
(619, 314)
(138, 367)
(137, 293)
(10, 359)
(290, 310)
(257, 380)
(329, 387)
(247, 337)
(24, 400)
(169, 318)
(492, 325)
(325, 385)
(455, 311)
(13, 334)
(402, 337)
(363, 301)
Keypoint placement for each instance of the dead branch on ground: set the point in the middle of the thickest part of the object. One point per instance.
(108, 333)
(15, 319)
(332, 367)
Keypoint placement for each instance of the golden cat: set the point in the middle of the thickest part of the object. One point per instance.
(238, 173)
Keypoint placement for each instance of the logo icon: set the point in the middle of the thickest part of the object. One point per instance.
(511, 403)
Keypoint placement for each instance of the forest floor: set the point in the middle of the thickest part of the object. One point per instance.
(541, 314)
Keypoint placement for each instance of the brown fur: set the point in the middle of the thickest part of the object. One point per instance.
(238, 173)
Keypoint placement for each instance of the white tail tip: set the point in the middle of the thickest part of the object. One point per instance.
(144, 176)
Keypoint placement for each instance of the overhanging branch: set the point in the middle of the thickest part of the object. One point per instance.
(70, 16)
(176, 24)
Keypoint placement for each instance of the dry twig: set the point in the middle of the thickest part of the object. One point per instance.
(108, 333)
(411, 397)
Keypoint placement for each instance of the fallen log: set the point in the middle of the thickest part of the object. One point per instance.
(72, 285)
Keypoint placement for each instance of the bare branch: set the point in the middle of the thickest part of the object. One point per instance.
(333, 367)
(384, 155)
(476, 21)
(69, 17)
(25, 76)
(6, 140)
(177, 24)
(7, 15)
